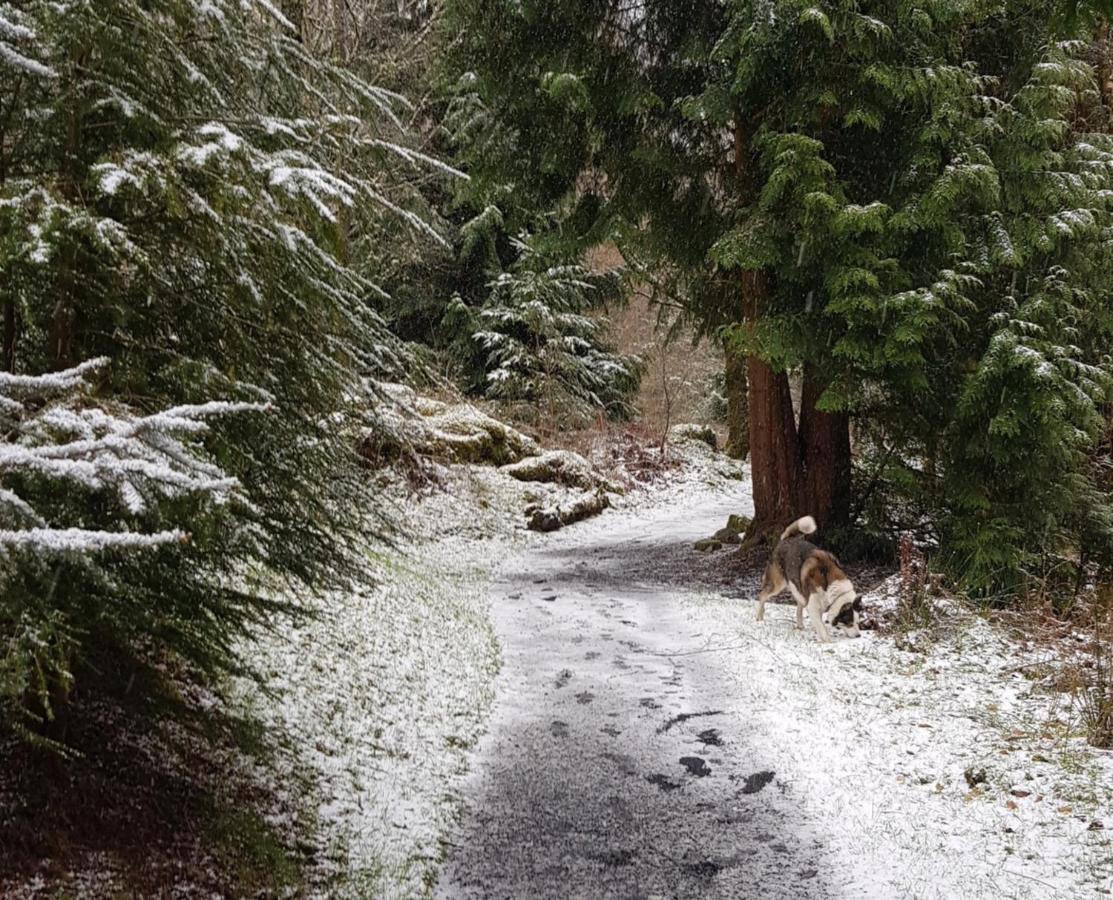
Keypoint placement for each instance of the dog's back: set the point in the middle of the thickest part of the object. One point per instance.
(789, 557)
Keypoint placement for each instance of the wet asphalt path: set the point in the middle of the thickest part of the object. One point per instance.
(616, 761)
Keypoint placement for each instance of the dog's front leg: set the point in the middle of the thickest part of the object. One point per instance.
(799, 617)
(815, 610)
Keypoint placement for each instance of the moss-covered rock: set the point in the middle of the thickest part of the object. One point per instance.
(739, 524)
(708, 545)
(560, 467)
(729, 534)
(550, 518)
(688, 431)
(447, 432)
(463, 434)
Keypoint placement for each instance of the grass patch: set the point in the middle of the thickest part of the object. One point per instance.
(249, 850)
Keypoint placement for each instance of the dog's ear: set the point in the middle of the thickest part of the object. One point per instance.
(857, 604)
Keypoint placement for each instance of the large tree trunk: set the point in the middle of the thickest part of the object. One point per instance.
(738, 403)
(824, 455)
(774, 449)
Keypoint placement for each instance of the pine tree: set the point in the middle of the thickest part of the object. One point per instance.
(147, 479)
(895, 201)
(172, 180)
(542, 348)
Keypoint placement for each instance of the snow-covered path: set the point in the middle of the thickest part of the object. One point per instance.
(617, 762)
(649, 739)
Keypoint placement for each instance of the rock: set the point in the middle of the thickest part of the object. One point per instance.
(731, 533)
(560, 467)
(708, 545)
(463, 434)
(433, 429)
(974, 776)
(705, 434)
(739, 524)
(551, 518)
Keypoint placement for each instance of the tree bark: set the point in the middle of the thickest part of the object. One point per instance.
(825, 456)
(294, 10)
(63, 319)
(774, 447)
(738, 403)
(11, 333)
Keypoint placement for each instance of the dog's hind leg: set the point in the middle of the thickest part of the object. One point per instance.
(771, 585)
(800, 604)
(815, 610)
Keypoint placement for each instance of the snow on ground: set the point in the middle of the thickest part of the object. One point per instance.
(871, 745)
(383, 697)
(377, 700)
(380, 696)
(878, 741)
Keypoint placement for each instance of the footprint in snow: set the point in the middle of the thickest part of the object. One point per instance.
(757, 781)
(663, 782)
(584, 697)
(558, 728)
(710, 737)
(563, 677)
(695, 766)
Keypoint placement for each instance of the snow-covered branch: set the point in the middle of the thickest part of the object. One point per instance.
(142, 460)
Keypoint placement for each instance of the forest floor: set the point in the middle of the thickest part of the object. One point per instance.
(594, 713)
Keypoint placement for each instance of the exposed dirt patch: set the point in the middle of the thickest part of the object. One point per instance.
(677, 564)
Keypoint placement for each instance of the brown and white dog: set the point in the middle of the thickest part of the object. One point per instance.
(816, 581)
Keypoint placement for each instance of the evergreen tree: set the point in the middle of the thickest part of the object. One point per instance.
(901, 199)
(542, 348)
(148, 481)
(172, 180)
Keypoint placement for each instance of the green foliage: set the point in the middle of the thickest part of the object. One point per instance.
(178, 185)
(543, 348)
(926, 188)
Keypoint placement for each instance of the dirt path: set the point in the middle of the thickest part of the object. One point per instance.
(617, 761)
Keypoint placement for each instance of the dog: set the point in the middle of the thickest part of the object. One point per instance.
(816, 580)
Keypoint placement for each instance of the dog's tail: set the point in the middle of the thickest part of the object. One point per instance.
(803, 525)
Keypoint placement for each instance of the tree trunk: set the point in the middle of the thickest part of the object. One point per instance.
(825, 456)
(63, 318)
(11, 333)
(774, 448)
(294, 10)
(738, 403)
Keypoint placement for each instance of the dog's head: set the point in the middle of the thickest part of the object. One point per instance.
(844, 614)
